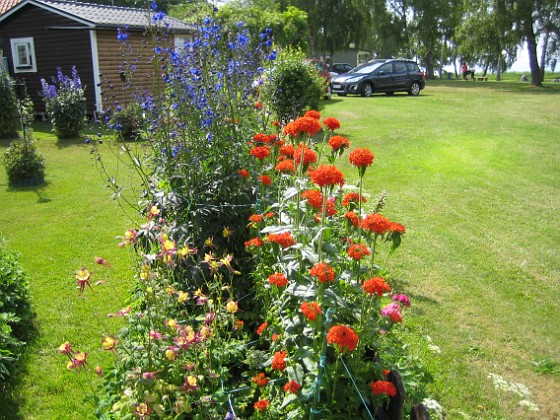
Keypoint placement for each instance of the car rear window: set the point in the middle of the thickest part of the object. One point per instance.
(400, 67)
(412, 67)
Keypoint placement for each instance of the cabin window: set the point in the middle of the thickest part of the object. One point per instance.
(23, 55)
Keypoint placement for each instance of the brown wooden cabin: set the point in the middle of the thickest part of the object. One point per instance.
(39, 36)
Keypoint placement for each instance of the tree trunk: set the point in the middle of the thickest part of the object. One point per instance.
(543, 54)
(536, 79)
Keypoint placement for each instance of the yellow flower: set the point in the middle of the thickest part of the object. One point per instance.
(153, 212)
(183, 296)
(170, 355)
(186, 250)
(232, 307)
(108, 343)
(172, 323)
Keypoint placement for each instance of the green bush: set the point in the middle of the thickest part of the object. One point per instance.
(24, 164)
(128, 122)
(292, 86)
(9, 113)
(66, 104)
(14, 313)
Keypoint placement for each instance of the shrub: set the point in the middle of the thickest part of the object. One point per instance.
(65, 104)
(14, 313)
(9, 107)
(291, 86)
(128, 122)
(24, 163)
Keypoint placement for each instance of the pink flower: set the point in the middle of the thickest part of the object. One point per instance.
(102, 261)
(392, 311)
(404, 299)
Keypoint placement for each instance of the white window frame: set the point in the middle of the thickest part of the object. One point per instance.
(30, 63)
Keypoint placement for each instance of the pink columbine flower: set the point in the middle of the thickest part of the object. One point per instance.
(102, 261)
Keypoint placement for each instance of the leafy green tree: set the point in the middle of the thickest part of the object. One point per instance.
(485, 33)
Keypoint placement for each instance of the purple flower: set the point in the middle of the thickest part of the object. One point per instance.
(121, 35)
(404, 299)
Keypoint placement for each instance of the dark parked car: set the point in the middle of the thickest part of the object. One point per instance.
(388, 76)
(340, 68)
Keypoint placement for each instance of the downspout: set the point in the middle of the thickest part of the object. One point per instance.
(96, 74)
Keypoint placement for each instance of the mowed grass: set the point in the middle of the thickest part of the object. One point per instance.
(57, 229)
(473, 171)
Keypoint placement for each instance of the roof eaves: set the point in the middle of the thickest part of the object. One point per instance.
(42, 5)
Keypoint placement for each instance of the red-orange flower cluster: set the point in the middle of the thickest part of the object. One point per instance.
(310, 310)
(361, 157)
(287, 150)
(327, 175)
(331, 123)
(260, 379)
(256, 242)
(376, 223)
(256, 218)
(323, 272)
(283, 239)
(301, 125)
(265, 179)
(376, 286)
(343, 336)
(313, 114)
(261, 138)
(352, 197)
(244, 173)
(260, 152)
(397, 227)
(278, 360)
(314, 198)
(383, 387)
(358, 251)
(286, 165)
(278, 279)
(337, 142)
(304, 154)
(261, 405)
(292, 387)
(352, 217)
(261, 328)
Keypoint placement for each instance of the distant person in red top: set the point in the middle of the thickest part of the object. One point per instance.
(465, 71)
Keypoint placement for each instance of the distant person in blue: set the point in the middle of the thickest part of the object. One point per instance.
(466, 72)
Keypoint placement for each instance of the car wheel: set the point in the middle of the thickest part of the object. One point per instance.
(341, 94)
(367, 90)
(328, 95)
(414, 89)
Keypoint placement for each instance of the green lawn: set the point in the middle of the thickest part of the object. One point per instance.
(473, 171)
(57, 229)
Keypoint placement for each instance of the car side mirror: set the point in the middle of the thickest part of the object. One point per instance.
(333, 74)
(381, 73)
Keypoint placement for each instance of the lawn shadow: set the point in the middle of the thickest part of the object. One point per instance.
(506, 87)
(401, 284)
(38, 189)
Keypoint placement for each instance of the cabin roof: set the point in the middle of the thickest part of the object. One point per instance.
(99, 15)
